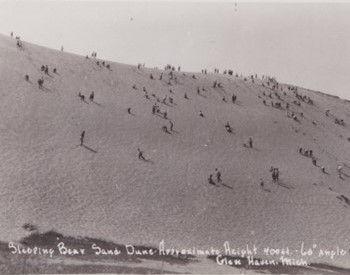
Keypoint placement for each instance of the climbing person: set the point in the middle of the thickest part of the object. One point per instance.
(218, 175)
(339, 169)
(277, 174)
(140, 154)
(234, 97)
(228, 127)
(40, 82)
(92, 95)
(154, 108)
(82, 137)
(250, 142)
(82, 97)
(210, 180)
(262, 184)
(273, 176)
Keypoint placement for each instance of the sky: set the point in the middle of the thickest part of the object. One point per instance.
(305, 44)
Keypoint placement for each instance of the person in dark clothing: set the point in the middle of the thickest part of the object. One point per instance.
(262, 184)
(140, 154)
(92, 95)
(250, 142)
(218, 175)
(82, 137)
(210, 180)
(234, 97)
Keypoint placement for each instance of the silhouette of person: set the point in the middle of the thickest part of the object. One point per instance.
(140, 154)
(218, 175)
(82, 136)
(210, 180)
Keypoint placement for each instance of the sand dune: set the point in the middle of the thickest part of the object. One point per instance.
(103, 190)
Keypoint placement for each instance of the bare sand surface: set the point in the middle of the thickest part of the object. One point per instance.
(102, 190)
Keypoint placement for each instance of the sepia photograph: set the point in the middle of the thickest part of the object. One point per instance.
(174, 137)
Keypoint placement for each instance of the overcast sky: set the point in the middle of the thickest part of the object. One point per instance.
(306, 44)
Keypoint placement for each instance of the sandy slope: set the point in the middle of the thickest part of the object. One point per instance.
(48, 180)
